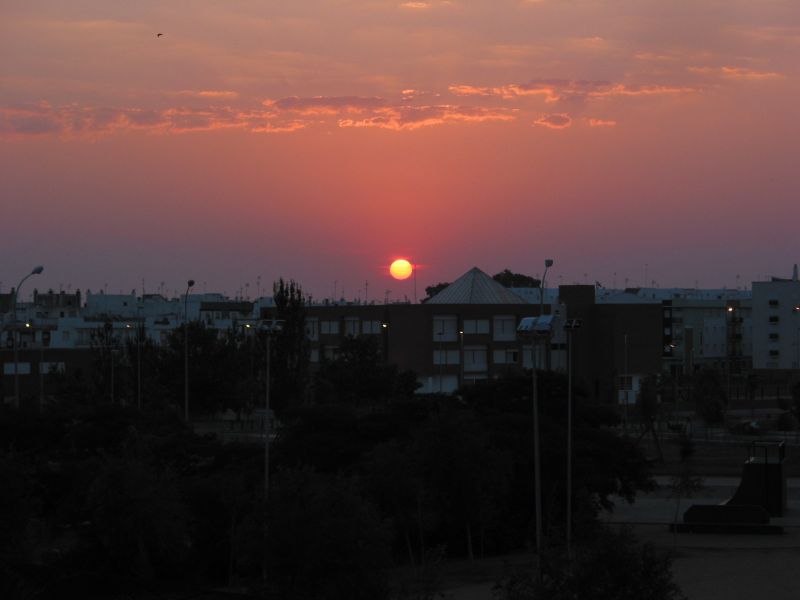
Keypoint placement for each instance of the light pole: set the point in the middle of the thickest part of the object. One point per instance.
(441, 358)
(625, 383)
(547, 264)
(36, 271)
(139, 327)
(189, 285)
(571, 325)
(269, 327)
(796, 313)
(534, 326)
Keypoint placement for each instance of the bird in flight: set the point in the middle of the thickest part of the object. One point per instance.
(159, 34)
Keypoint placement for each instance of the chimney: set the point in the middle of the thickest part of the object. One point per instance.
(794, 273)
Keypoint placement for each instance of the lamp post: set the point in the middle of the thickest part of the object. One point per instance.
(570, 326)
(139, 328)
(547, 264)
(796, 313)
(537, 325)
(269, 327)
(189, 285)
(441, 358)
(36, 271)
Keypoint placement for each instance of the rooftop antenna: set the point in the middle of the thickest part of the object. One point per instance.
(366, 292)
(645, 272)
(615, 280)
(415, 281)
(386, 297)
(335, 289)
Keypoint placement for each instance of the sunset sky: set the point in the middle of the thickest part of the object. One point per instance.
(321, 139)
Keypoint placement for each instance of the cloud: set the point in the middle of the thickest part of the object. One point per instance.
(73, 120)
(601, 123)
(416, 117)
(554, 121)
(221, 94)
(416, 5)
(555, 90)
(742, 73)
(326, 105)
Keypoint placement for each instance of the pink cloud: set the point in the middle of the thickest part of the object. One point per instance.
(742, 73)
(554, 121)
(736, 73)
(554, 90)
(326, 105)
(602, 123)
(402, 118)
(214, 94)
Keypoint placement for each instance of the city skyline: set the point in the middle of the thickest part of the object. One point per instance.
(321, 141)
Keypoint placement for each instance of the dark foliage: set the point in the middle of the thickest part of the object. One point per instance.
(509, 279)
(613, 566)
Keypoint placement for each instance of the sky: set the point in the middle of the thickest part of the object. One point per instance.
(636, 142)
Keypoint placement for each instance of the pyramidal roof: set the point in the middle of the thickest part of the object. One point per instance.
(476, 287)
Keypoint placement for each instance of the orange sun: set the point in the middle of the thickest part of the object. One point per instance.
(401, 269)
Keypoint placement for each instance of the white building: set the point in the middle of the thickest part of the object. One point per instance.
(776, 323)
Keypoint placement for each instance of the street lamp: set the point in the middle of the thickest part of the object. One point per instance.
(796, 312)
(36, 271)
(570, 326)
(189, 285)
(269, 327)
(533, 327)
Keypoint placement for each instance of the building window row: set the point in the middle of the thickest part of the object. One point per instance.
(445, 328)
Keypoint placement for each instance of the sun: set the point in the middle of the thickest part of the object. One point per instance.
(401, 269)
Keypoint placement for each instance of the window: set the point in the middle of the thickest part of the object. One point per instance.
(626, 382)
(329, 327)
(312, 329)
(445, 357)
(330, 352)
(444, 329)
(774, 352)
(351, 327)
(65, 336)
(51, 367)
(314, 355)
(774, 319)
(475, 358)
(472, 326)
(773, 303)
(506, 356)
(505, 329)
(23, 368)
(774, 336)
(371, 327)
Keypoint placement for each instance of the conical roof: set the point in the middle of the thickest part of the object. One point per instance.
(476, 287)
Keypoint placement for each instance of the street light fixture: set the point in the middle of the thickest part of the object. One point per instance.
(269, 327)
(537, 326)
(570, 326)
(36, 271)
(189, 285)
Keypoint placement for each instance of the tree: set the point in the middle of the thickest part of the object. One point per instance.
(290, 347)
(710, 397)
(614, 566)
(508, 279)
(216, 368)
(432, 290)
(685, 484)
(647, 405)
(359, 375)
(324, 540)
